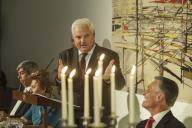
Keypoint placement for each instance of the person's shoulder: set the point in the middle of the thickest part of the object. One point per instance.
(178, 123)
(171, 121)
(141, 124)
(106, 50)
(67, 52)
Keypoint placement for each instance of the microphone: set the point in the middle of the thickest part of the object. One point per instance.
(50, 62)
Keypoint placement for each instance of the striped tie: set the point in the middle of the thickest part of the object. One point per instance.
(82, 65)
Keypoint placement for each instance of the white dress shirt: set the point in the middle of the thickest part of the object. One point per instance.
(88, 57)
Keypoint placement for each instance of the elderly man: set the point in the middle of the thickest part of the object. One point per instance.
(159, 98)
(86, 51)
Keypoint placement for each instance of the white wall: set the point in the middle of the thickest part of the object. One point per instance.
(40, 29)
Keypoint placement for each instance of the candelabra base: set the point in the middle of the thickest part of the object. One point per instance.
(64, 123)
(113, 121)
(98, 125)
(71, 126)
(132, 126)
(86, 121)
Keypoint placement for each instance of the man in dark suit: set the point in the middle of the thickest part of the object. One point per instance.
(158, 99)
(83, 35)
(24, 69)
(18, 108)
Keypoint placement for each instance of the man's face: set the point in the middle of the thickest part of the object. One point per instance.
(24, 77)
(83, 38)
(151, 95)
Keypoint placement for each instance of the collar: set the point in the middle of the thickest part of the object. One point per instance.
(27, 89)
(89, 54)
(159, 116)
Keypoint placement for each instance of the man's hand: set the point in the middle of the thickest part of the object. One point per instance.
(60, 66)
(106, 75)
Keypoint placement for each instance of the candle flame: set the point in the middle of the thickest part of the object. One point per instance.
(64, 70)
(113, 68)
(98, 72)
(88, 71)
(72, 73)
(102, 56)
(133, 70)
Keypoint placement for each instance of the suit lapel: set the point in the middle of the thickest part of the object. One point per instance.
(75, 60)
(94, 59)
(164, 120)
(141, 124)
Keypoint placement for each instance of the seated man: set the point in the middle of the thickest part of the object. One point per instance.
(24, 69)
(158, 99)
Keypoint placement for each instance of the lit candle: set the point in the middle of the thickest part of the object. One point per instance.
(70, 98)
(64, 92)
(96, 100)
(100, 79)
(100, 62)
(113, 100)
(86, 94)
(132, 119)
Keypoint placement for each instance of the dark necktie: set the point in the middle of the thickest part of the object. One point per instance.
(82, 65)
(80, 88)
(149, 123)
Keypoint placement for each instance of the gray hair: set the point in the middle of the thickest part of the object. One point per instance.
(169, 88)
(28, 66)
(83, 22)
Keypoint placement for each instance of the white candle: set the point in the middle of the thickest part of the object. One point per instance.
(132, 119)
(100, 62)
(86, 94)
(64, 93)
(113, 100)
(96, 100)
(70, 98)
(100, 79)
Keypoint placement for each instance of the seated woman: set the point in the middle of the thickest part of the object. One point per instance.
(41, 85)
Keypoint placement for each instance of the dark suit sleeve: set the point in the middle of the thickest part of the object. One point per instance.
(110, 55)
(63, 56)
(22, 109)
(141, 124)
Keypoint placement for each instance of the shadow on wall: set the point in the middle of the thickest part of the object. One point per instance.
(106, 43)
(187, 115)
(124, 122)
(188, 122)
